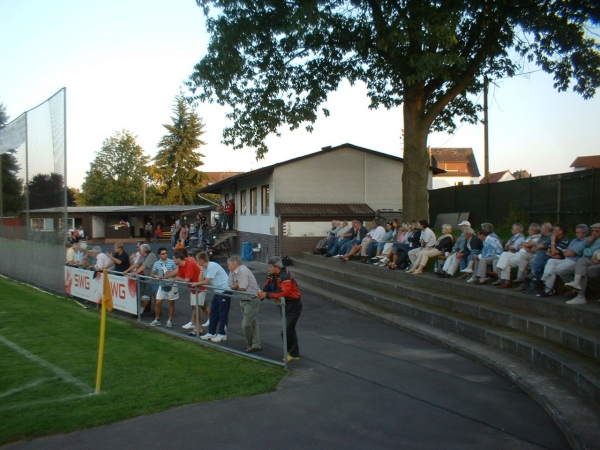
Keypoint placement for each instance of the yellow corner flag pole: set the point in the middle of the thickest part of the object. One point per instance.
(107, 303)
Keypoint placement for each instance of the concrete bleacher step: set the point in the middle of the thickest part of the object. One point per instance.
(575, 415)
(483, 302)
(475, 317)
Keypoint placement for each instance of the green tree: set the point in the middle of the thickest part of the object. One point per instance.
(274, 62)
(12, 185)
(118, 173)
(48, 190)
(177, 161)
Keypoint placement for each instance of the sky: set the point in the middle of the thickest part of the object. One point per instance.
(124, 62)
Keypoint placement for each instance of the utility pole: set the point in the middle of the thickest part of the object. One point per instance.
(486, 148)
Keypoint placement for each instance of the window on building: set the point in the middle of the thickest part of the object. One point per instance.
(42, 224)
(243, 202)
(253, 201)
(451, 167)
(264, 199)
(70, 223)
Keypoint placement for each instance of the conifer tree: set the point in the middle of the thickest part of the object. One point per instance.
(177, 161)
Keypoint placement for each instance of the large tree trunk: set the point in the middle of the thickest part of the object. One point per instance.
(415, 198)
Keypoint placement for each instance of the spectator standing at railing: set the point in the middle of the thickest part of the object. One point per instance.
(102, 260)
(215, 277)
(70, 253)
(120, 258)
(243, 280)
(281, 284)
(162, 269)
(79, 253)
(144, 267)
(197, 296)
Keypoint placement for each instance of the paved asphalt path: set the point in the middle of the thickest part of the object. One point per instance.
(359, 384)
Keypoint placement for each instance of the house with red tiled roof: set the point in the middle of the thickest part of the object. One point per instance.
(498, 177)
(215, 177)
(586, 162)
(288, 207)
(459, 165)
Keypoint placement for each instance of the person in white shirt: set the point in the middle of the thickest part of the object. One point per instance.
(428, 242)
(102, 260)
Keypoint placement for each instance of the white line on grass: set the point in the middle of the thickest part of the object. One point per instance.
(43, 402)
(26, 386)
(42, 362)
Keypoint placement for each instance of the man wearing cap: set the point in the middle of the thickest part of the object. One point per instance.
(587, 266)
(281, 284)
(452, 261)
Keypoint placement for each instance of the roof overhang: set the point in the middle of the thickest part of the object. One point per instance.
(327, 211)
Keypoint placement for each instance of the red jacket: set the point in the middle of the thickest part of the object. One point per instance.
(230, 209)
(282, 285)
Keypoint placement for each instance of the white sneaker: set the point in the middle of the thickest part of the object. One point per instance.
(467, 270)
(219, 338)
(472, 280)
(188, 326)
(169, 324)
(207, 337)
(155, 323)
(573, 285)
(205, 324)
(577, 301)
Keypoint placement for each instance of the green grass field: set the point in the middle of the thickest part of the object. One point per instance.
(49, 353)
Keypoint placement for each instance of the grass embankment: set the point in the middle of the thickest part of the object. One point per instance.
(49, 352)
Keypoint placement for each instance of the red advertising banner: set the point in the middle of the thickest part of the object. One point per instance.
(87, 285)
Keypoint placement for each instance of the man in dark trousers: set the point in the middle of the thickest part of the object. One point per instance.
(281, 284)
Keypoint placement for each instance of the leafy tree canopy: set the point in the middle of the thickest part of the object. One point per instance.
(12, 185)
(177, 161)
(117, 174)
(47, 191)
(274, 62)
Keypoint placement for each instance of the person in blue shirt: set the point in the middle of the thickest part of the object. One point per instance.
(215, 277)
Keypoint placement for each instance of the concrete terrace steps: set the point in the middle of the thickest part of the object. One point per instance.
(530, 315)
(587, 315)
(490, 326)
(575, 415)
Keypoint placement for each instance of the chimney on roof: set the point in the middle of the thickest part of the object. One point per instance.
(326, 148)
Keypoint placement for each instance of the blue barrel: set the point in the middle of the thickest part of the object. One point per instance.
(247, 251)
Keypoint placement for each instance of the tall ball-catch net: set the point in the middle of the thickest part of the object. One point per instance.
(33, 155)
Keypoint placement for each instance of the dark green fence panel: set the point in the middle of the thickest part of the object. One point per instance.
(570, 198)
